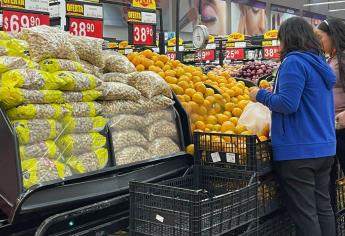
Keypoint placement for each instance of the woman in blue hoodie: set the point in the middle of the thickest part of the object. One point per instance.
(303, 136)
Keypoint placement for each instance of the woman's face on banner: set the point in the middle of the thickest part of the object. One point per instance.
(255, 20)
(213, 15)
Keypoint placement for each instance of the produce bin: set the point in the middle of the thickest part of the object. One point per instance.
(233, 151)
(340, 195)
(209, 201)
(340, 223)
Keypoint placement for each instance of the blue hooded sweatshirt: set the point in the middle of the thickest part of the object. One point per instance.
(303, 120)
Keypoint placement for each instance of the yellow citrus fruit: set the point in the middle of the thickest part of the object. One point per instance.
(190, 92)
(177, 90)
(170, 73)
(234, 120)
(242, 104)
(202, 110)
(212, 111)
(207, 104)
(196, 79)
(217, 107)
(217, 127)
(194, 106)
(247, 133)
(221, 118)
(263, 138)
(136, 60)
(211, 99)
(237, 112)
(159, 64)
(190, 149)
(179, 71)
(180, 98)
(162, 74)
(198, 98)
(200, 125)
(240, 129)
(211, 119)
(183, 84)
(186, 98)
(209, 92)
(200, 87)
(184, 78)
(227, 138)
(147, 63)
(187, 107)
(227, 113)
(209, 126)
(166, 68)
(163, 58)
(140, 67)
(170, 80)
(227, 126)
(229, 106)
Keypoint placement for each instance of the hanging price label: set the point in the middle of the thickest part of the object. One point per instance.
(14, 21)
(234, 54)
(171, 55)
(86, 27)
(271, 52)
(143, 34)
(206, 55)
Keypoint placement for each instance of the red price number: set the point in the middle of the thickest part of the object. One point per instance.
(142, 34)
(15, 21)
(206, 55)
(86, 27)
(171, 55)
(234, 54)
(271, 52)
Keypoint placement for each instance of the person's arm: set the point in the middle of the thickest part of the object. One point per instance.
(291, 83)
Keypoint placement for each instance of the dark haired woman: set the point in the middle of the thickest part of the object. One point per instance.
(332, 35)
(303, 135)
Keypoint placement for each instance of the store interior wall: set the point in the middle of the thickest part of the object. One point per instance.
(114, 29)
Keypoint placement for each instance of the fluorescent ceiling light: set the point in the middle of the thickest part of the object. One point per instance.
(322, 3)
(334, 10)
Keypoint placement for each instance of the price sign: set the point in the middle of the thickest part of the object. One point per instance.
(234, 54)
(271, 52)
(142, 34)
(171, 55)
(14, 21)
(206, 55)
(86, 27)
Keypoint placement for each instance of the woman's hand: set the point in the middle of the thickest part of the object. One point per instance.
(340, 120)
(253, 93)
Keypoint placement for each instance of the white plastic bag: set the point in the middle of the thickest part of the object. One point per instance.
(256, 117)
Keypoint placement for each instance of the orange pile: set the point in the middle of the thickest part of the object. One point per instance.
(208, 111)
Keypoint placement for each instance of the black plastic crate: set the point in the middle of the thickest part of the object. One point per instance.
(269, 198)
(340, 223)
(209, 201)
(340, 195)
(234, 151)
(277, 224)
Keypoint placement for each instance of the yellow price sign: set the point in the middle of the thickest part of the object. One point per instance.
(272, 34)
(235, 37)
(210, 39)
(147, 4)
(266, 43)
(172, 41)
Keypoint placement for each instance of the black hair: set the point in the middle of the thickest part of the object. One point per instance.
(335, 29)
(296, 34)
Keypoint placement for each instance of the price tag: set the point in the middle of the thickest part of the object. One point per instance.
(160, 218)
(86, 27)
(14, 21)
(171, 55)
(143, 34)
(211, 46)
(128, 50)
(234, 54)
(215, 157)
(231, 157)
(206, 55)
(240, 44)
(271, 52)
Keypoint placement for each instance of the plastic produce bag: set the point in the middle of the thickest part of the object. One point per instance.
(38, 171)
(111, 108)
(89, 49)
(32, 131)
(162, 147)
(46, 149)
(88, 162)
(116, 77)
(83, 124)
(74, 144)
(127, 138)
(115, 62)
(31, 79)
(48, 42)
(82, 96)
(256, 118)
(94, 70)
(37, 111)
(118, 91)
(156, 103)
(168, 115)
(77, 81)
(127, 121)
(161, 128)
(130, 155)
(14, 47)
(84, 109)
(149, 84)
(11, 63)
(11, 97)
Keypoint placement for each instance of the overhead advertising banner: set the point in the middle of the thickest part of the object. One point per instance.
(281, 13)
(313, 18)
(248, 17)
(213, 15)
(147, 4)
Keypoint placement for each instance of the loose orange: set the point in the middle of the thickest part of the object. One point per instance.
(211, 120)
(200, 125)
(234, 120)
(237, 112)
(170, 80)
(140, 67)
(198, 98)
(190, 92)
(209, 92)
(240, 129)
(227, 126)
(183, 84)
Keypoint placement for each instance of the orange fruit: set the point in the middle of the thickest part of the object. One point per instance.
(177, 90)
(221, 118)
(237, 112)
(131, 55)
(211, 99)
(217, 127)
(140, 67)
(207, 104)
(209, 126)
(190, 92)
(170, 73)
(186, 98)
(195, 117)
(227, 113)
(212, 111)
(211, 119)
(229, 106)
(230, 92)
(217, 107)
(184, 78)
(147, 63)
(240, 129)
(200, 125)
(163, 58)
(162, 74)
(136, 60)
(263, 138)
(227, 138)
(159, 64)
(190, 149)
(171, 80)
(234, 120)
(196, 79)
(187, 107)
(179, 71)
(202, 110)
(227, 126)
(194, 106)
(183, 84)
(242, 104)
(247, 133)
(181, 98)
(209, 92)
(200, 87)
(198, 98)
